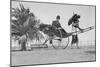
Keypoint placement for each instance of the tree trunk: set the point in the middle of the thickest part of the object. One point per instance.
(23, 43)
(23, 46)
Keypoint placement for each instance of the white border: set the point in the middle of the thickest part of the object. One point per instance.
(5, 33)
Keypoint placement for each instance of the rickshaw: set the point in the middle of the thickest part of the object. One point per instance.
(57, 35)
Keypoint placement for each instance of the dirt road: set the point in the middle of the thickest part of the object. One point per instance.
(43, 56)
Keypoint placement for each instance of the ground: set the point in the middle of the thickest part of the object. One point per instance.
(50, 55)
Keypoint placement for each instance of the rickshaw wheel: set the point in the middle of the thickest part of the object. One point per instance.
(62, 42)
(57, 44)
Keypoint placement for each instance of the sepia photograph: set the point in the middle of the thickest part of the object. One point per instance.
(51, 33)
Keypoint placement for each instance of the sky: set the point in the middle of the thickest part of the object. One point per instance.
(47, 12)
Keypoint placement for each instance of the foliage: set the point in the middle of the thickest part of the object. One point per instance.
(25, 23)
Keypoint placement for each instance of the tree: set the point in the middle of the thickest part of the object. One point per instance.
(25, 25)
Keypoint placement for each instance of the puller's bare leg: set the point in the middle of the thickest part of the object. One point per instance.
(77, 45)
(71, 45)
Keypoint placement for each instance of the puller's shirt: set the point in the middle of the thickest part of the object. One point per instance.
(74, 26)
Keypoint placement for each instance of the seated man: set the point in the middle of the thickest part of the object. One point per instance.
(59, 30)
(57, 25)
